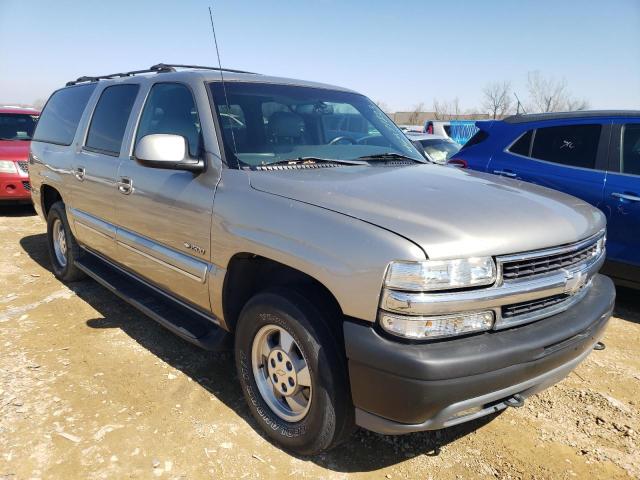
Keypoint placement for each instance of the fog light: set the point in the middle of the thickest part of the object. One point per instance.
(438, 326)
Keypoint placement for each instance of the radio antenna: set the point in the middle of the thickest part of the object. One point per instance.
(224, 89)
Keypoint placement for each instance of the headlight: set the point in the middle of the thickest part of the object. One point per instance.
(437, 326)
(440, 274)
(7, 166)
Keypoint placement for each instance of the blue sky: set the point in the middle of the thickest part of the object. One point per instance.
(401, 53)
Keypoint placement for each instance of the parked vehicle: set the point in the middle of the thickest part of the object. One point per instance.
(16, 129)
(360, 283)
(437, 148)
(411, 128)
(437, 127)
(592, 155)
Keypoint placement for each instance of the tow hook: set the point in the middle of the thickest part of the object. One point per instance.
(516, 401)
(599, 346)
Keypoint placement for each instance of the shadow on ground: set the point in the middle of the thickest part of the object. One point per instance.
(16, 210)
(365, 451)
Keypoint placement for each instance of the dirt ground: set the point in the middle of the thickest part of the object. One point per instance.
(90, 388)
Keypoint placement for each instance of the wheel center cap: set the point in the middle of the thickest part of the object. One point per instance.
(281, 372)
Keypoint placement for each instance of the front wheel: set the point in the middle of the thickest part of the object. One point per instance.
(292, 372)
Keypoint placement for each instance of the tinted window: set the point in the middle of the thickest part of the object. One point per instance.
(572, 145)
(630, 161)
(110, 118)
(171, 109)
(61, 114)
(478, 137)
(17, 126)
(521, 147)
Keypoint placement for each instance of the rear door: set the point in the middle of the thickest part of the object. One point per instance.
(622, 195)
(165, 215)
(95, 167)
(570, 158)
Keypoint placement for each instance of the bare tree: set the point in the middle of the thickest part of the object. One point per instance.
(383, 106)
(414, 116)
(497, 99)
(551, 95)
(447, 109)
(39, 103)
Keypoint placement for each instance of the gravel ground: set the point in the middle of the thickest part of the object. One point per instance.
(90, 388)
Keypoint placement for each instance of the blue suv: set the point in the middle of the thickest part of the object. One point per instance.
(592, 155)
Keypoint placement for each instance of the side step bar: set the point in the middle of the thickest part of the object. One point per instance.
(185, 322)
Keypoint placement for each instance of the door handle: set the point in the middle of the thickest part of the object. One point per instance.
(79, 173)
(626, 196)
(125, 185)
(505, 173)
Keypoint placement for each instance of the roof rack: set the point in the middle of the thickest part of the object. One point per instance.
(159, 68)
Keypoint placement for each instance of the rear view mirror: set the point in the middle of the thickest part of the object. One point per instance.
(161, 150)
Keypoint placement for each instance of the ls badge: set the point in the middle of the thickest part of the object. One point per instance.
(195, 248)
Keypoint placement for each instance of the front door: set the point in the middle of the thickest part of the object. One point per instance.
(96, 166)
(165, 215)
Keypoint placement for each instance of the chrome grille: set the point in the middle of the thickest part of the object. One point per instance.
(26, 185)
(23, 166)
(509, 311)
(537, 265)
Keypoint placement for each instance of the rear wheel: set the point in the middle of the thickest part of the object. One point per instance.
(63, 248)
(292, 372)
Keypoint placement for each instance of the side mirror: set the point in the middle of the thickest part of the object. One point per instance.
(162, 150)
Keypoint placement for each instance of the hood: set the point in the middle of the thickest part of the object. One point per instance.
(14, 150)
(449, 212)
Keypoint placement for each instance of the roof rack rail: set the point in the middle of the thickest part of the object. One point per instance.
(158, 68)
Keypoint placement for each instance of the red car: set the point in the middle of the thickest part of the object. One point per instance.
(16, 129)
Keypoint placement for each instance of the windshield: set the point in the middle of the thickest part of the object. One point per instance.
(17, 126)
(268, 123)
(440, 150)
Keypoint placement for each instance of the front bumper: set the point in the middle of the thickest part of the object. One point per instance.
(14, 187)
(401, 388)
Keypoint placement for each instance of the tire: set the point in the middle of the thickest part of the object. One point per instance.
(328, 419)
(62, 258)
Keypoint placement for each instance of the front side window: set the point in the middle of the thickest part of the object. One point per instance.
(59, 119)
(17, 126)
(571, 145)
(110, 118)
(630, 155)
(267, 123)
(170, 109)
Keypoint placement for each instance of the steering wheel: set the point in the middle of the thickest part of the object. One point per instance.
(341, 138)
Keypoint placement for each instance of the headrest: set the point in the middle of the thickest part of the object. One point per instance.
(286, 124)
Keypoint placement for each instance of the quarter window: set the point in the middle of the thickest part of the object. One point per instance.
(110, 118)
(522, 145)
(571, 145)
(61, 115)
(630, 158)
(171, 109)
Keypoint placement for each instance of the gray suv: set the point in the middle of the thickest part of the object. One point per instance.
(359, 284)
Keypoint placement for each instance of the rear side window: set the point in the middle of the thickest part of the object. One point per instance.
(478, 137)
(571, 145)
(522, 145)
(110, 119)
(59, 119)
(630, 160)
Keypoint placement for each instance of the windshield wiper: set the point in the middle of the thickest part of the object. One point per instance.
(303, 160)
(389, 156)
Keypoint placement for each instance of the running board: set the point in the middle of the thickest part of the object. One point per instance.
(185, 322)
